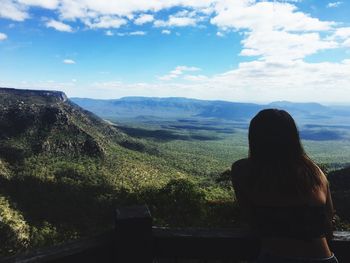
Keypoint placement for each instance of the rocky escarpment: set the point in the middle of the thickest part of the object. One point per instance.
(33, 122)
(9, 95)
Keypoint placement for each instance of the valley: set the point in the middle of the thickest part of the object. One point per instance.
(219, 130)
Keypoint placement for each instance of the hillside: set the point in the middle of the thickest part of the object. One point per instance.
(47, 146)
(34, 122)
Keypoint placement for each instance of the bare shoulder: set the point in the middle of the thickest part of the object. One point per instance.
(240, 171)
(325, 184)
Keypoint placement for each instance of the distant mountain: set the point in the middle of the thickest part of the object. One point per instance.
(133, 107)
(137, 107)
(297, 106)
(230, 110)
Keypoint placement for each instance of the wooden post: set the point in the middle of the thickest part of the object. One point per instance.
(134, 242)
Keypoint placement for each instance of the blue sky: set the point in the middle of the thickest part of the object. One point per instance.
(237, 50)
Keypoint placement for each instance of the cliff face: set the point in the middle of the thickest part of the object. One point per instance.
(36, 96)
(33, 122)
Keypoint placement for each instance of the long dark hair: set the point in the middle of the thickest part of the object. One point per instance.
(279, 161)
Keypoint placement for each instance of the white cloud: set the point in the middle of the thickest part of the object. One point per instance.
(68, 61)
(3, 36)
(346, 43)
(342, 36)
(166, 32)
(281, 45)
(257, 16)
(167, 77)
(109, 33)
(138, 33)
(180, 19)
(268, 81)
(75, 9)
(105, 22)
(290, 1)
(87, 11)
(176, 21)
(143, 19)
(196, 77)
(273, 30)
(10, 9)
(220, 34)
(342, 32)
(178, 71)
(133, 33)
(334, 4)
(294, 80)
(49, 4)
(59, 26)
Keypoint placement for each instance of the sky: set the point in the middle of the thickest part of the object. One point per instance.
(235, 50)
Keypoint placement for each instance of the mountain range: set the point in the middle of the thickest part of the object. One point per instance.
(148, 107)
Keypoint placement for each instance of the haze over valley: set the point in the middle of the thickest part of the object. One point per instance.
(166, 119)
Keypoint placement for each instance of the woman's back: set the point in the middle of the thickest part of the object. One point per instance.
(282, 193)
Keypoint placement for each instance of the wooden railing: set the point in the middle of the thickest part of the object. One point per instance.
(136, 240)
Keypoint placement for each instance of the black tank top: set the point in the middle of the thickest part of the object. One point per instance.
(299, 222)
